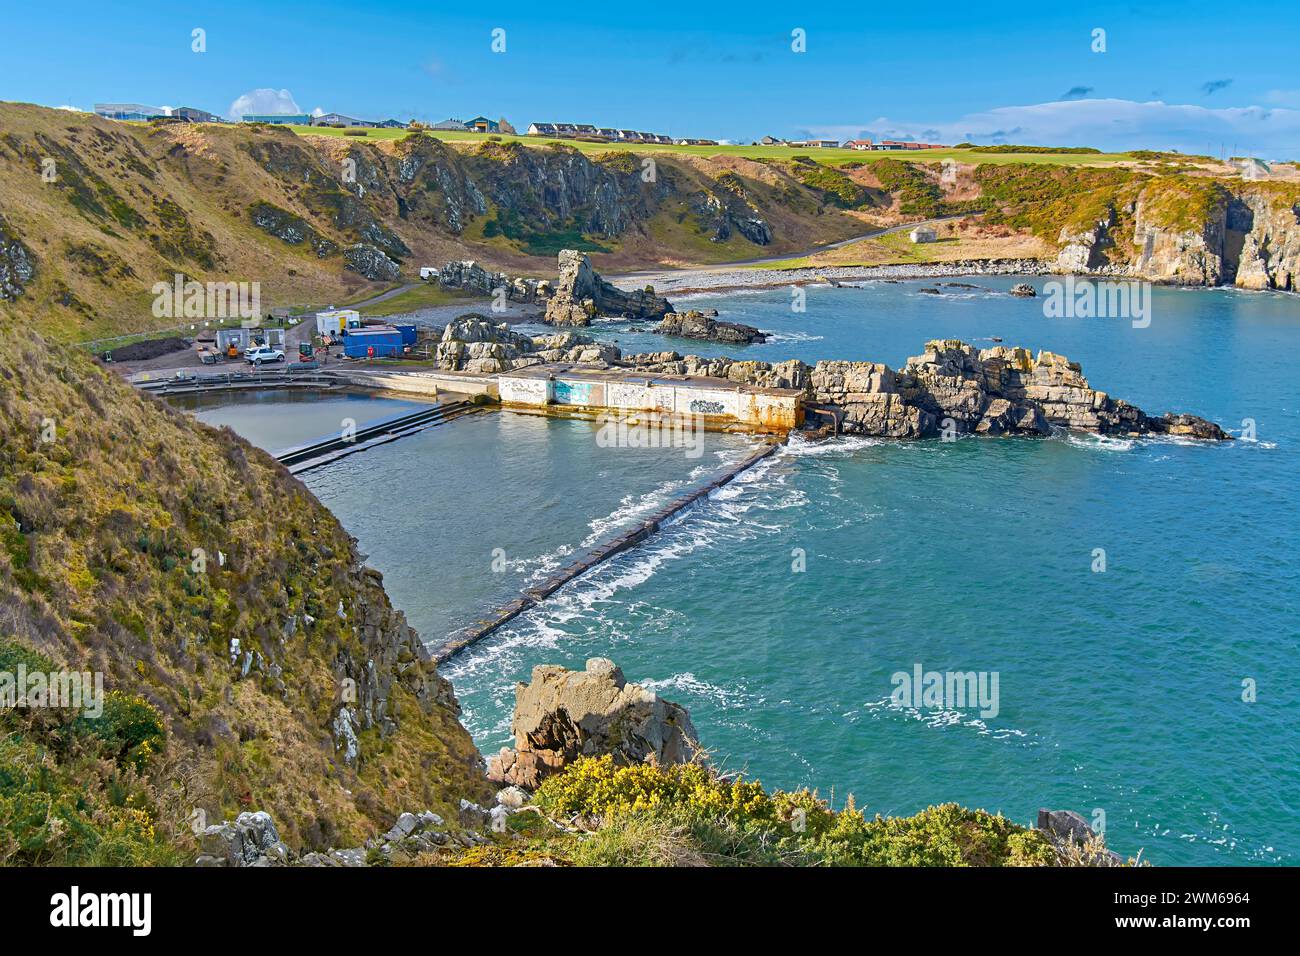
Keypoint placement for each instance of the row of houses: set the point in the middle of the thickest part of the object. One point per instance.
(587, 131)
(482, 124)
(858, 144)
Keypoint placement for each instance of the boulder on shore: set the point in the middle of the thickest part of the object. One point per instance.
(697, 325)
(562, 715)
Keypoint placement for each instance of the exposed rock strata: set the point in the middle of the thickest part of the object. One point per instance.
(1214, 233)
(562, 715)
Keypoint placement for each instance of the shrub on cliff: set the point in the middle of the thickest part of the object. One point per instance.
(688, 815)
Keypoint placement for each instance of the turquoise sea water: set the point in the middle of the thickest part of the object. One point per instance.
(1119, 691)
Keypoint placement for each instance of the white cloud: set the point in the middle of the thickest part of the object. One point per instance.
(1283, 97)
(1108, 124)
(263, 101)
(72, 109)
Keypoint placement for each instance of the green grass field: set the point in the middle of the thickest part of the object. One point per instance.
(423, 296)
(830, 157)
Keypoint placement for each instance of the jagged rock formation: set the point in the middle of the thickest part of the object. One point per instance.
(697, 325)
(473, 343)
(581, 295)
(562, 715)
(469, 276)
(953, 388)
(726, 208)
(289, 228)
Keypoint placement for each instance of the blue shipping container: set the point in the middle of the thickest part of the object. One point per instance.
(408, 333)
(385, 342)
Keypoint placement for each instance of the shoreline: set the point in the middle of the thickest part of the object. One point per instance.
(723, 279)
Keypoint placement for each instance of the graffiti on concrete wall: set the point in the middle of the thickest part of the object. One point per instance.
(526, 390)
(701, 407)
(573, 393)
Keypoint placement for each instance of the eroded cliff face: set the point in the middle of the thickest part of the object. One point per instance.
(1206, 233)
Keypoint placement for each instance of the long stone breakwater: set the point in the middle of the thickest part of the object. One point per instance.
(614, 545)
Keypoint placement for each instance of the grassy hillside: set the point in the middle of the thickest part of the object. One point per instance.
(93, 213)
(226, 609)
(830, 157)
(125, 205)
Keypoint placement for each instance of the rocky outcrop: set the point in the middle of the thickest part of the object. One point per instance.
(562, 715)
(474, 343)
(289, 228)
(951, 389)
(697, 325)
(251, 840)
(1075, 839)
(469, 276)
(371, 263)
(1082, 250)
(1263, 235)
(581, 295)
(17, 267)
(725, 211)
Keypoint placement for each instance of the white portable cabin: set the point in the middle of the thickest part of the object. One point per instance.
(334, 321)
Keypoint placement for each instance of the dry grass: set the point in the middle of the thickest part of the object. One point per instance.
(99, 527)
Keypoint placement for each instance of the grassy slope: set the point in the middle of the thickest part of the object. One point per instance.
(98, 529)
(134, 204)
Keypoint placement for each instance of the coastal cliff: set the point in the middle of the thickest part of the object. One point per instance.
(250, 657)
(1197, 230)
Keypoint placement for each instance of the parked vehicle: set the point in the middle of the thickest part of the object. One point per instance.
(259, 354)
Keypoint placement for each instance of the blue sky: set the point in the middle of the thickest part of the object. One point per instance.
(1197, 77)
